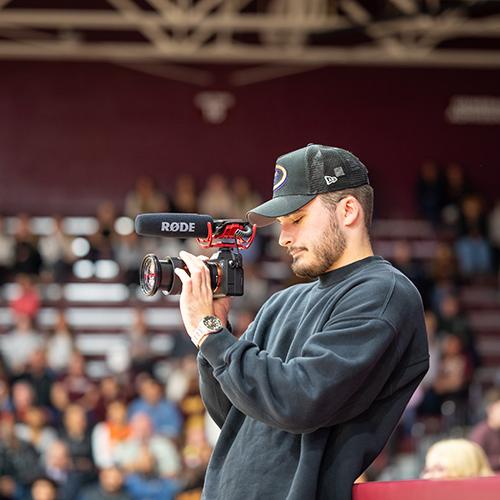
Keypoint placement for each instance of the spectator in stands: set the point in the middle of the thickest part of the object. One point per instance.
(36, 431)
(40, 377)
(487, 433)
(472, 247)
(5, 400)
(453, 379)
(56, 252)
(216, 199)
(58, 468)
(109, 487)
(145, 198)
(60, 344)
(77, 438)
(27, 299)
(455, 189)
(27, 259)
(129, 253)
(19, 464)
(149, 460)
(109, 434)
(111, 388)
(23, 399)
(244, 197)
(102, 241)
(452, 319)
(139, 340)
(7, 243)
(185, 199)
(164, 415)
(430, 192)
(19, 344)
(404, 260)
(455, 459)
(77, 385)
(494, 234)
(44, 488)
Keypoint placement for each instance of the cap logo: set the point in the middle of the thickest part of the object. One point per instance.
(280, 175)
(330, 180)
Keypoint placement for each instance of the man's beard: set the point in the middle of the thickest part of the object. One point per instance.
(325, 253)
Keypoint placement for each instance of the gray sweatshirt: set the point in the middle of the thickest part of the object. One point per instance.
(311, 393)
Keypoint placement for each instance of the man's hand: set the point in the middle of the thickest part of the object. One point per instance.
(196, 299)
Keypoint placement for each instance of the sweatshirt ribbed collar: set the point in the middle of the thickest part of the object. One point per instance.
(340, 274)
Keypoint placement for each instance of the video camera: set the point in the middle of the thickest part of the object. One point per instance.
(225, 266)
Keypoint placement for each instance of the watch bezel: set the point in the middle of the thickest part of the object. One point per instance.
(212, 323)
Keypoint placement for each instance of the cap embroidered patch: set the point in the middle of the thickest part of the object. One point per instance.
(280, 175)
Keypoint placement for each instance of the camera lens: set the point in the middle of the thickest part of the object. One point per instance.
(158, 274)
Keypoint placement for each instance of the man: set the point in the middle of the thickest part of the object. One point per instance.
(487, 432)
(308, 397)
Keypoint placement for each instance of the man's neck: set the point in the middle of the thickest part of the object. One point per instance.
(353, 253)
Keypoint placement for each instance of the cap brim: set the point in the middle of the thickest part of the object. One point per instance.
(266, 214)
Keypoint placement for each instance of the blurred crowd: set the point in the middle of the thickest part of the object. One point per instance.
(141, 432)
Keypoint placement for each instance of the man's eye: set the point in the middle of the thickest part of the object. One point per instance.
(296, 221)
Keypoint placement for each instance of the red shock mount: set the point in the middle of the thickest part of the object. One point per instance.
(241, 233)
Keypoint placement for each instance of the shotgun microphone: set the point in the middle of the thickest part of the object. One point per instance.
(173, 225)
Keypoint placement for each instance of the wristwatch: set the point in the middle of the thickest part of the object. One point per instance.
(207, 326)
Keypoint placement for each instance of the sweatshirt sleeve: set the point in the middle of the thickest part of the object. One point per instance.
(340, 371)
(214, 399)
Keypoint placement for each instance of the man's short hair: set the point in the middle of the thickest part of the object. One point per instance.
(364, 195)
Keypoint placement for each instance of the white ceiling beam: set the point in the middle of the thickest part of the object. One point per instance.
(113, 20)
(246, 54)
(408, 7)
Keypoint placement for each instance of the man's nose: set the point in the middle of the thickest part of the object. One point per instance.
(285, 238)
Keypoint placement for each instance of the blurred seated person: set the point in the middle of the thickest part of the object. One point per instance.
(430, 192)
(245, 198)
(111, 388)
(109, 487)
(216, 199)
(77, 437)
(44, 488)
(455, 459)
(487, 433)
(77, 385)
(60, 344)
(19, 464)
(129, 251)
(23, 399)
(27, 299)
(453, 320)
(139, 340)
(185, 199)
(57, 254)
(27, 258)
(59, 468)
(40, 377)
(451, 382)
(35, 430)
(19, 344)
(102, 241)
(145, 198)
(165, 416)
(6, 252)
(107, 435)
(150, 461)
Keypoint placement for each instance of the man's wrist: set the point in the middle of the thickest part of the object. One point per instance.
(208, 325)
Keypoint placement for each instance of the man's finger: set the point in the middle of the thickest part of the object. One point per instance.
(183, 276)
(198, 270)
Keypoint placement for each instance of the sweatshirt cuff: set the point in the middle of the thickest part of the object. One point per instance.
(215, 346)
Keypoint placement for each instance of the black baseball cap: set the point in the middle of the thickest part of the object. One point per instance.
(301, 175)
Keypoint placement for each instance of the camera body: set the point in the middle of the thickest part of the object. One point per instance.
(225, 266)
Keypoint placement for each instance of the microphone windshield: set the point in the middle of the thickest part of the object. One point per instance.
(173, 225)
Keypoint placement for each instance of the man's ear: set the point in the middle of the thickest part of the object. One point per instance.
(350, 211)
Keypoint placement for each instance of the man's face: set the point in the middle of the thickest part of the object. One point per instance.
(313, 238)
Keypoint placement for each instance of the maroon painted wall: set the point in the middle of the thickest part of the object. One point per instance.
(74, 134)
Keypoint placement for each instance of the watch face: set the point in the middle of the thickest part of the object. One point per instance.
(212, 323)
